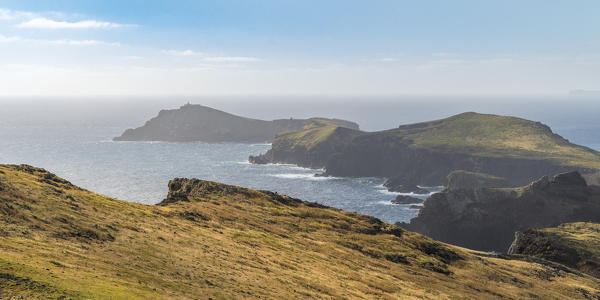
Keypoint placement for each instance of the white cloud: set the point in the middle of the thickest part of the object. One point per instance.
(233, 59)
(11, 39)
(44, 23)
(7, 14)
(16, 39)
(212, 59)
(182, 52)
(82, 43)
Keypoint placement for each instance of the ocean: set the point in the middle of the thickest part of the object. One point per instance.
(72, 137)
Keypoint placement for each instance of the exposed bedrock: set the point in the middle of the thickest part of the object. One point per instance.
(487, 218)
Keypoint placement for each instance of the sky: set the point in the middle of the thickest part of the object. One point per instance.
(244, 47)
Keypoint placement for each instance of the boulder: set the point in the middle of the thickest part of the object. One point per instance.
(399, 186)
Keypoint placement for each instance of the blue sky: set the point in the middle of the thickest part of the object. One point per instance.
(299, 47)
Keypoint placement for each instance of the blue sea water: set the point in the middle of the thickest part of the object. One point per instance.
(140, 171)
(73, 140)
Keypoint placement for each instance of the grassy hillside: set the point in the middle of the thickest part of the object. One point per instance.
(481, 136)
(309, 137)
(493, 135)
(225, 242)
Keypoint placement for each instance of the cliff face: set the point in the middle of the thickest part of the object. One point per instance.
(200, 123)
(394, 158)
(486, 218)
(576, 245)
(426, 153)
(211, 240)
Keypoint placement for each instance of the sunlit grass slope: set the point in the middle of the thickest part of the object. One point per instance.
(493, 135)
(209, 240)
(312, 135)
(468, 133)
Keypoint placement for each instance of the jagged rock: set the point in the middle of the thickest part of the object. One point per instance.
(399, 186)
(402, 199)
(513, 248)
(569, 178)
(486, 218)
(541, 183)
(261, 159)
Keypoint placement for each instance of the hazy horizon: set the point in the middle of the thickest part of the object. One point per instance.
(303, 48)
(573, 117)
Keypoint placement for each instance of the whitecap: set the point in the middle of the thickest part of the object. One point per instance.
(385, 203)
(295, 167)
(301, 176)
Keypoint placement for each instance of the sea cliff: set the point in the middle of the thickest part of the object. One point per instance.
(487, 218)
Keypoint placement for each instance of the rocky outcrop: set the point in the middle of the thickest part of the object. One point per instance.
(402, 199)
(191, 123)
(486, 218)
(465, 180)
(402, 187)
(576, 245)
(512, 249)
(592, 178)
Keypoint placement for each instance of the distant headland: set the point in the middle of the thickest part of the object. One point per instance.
(512, 149)
(198, 123)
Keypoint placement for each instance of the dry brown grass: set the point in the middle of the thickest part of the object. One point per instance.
(227, 242)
